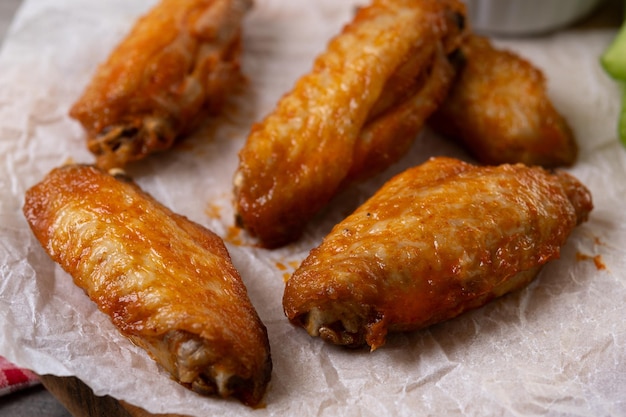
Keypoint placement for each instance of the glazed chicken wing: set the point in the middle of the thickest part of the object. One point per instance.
(499, 109)
(377, 82)
(177, 64)
(433, 242)
(167, 283)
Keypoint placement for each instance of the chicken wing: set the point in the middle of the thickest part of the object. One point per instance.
(167, 283)
(437, 240)
(177, 64)
(392, 59)
(499, 109)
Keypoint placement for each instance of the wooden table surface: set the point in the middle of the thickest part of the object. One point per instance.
(77, 397)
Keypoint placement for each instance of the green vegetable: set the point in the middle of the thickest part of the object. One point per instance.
(622, 119)
(613, 61)
(614, 58)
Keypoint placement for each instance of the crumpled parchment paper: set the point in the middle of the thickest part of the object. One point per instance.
(555, 348)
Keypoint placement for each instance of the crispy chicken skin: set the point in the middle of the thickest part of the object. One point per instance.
(436, 240)
(178, 64)
(377, 81)
(499, 109)
(167, 283)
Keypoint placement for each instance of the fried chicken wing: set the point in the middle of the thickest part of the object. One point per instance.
(177, 64)
(499, 109)
(378, 80)
(435, 241)
(386, 138)
(166, 283)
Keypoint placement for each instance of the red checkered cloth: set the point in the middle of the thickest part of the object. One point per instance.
(13, 378)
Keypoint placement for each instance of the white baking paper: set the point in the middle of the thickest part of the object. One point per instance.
(556, 348)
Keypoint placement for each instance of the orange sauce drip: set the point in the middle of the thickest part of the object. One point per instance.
(233, 235)
(213, 211)
(597, 260)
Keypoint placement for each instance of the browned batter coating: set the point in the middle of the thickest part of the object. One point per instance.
(355, 113)
(178, 64)
(433, 242)
(500, 110)
(167, 283)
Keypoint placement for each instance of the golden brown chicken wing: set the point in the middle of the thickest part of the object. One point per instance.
(178, 63)
(167, 283)
(382, 76)
(433, 242)
(499, 109)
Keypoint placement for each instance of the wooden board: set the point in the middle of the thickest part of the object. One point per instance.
(80, 400)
